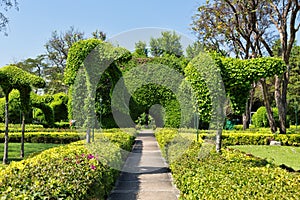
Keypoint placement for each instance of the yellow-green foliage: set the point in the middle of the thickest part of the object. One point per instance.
(74, 171)
(45, 137)
(230, 175)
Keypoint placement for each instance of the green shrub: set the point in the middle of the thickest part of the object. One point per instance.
(74, 171)
(44, 137)
(230, 175)
(59, 106)
(260, 118)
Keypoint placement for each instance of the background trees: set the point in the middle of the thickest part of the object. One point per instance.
(249, 29)
(168, 43)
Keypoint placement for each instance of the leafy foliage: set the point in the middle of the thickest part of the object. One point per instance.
(59, 106)
(41, 103)
(238, 75)
(168, 43)
(260, 119)
(70, 172)
(229, 175)
(45, 137)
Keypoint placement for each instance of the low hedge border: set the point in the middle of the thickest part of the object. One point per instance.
(45, 137)
(165, 136)
(74, 171)
(230, 175)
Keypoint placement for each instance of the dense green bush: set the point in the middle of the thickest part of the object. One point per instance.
(74, 171)
(260, 118)
(14, 109)
(230, 175)
(44, 137)
(59, 106)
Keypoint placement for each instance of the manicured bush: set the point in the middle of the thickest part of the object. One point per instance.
(200, 174)
(59, 106)
(74, 171)
(44, 137)
(260, 118)
(231, 175)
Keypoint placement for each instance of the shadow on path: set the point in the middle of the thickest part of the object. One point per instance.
(145, 175)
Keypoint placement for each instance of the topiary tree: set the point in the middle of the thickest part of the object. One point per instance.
(12, 77)
(238, 75)
(86, 63)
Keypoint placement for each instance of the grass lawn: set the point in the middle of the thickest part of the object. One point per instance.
(288, 155)
(30, 148)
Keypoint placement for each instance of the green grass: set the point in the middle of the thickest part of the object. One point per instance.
(30, 150)
(287, 155)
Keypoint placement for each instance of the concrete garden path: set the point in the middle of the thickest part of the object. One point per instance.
(145, 175)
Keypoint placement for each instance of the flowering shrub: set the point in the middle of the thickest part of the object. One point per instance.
(74, 171)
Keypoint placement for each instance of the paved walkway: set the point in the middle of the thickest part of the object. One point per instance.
(145, 175)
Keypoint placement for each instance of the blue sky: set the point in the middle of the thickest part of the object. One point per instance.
(31, 26)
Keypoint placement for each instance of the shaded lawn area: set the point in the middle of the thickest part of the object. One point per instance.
(30, 150)
(287, 155)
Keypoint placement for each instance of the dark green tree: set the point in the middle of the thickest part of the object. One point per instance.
(141, 49)
(193, 50)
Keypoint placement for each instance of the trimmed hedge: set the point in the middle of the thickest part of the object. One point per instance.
(45, 137)
(230, 175)
(165, 136)
(74, 171)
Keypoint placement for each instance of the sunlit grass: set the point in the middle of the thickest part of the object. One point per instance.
(287, 155)
(29, 148)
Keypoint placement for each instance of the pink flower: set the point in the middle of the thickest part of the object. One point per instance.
(90, 156)
(93, 167)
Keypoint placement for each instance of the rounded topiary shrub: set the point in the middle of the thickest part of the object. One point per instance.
(260, 118)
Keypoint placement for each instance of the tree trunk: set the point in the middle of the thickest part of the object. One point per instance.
(22, 137)
(268, 106)
(88, 135)
(248, 108)
(219, 140)
(280, 98)
(5, 156)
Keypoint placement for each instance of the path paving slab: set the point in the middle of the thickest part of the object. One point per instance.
(145, 175)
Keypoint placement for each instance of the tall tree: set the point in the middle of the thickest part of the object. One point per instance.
(141, 49)
(57, 52)
(194, 49)
(239, 26)
(284, 14)
(6, 5)
(168, 43)
(248, 28)
(36, 66)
